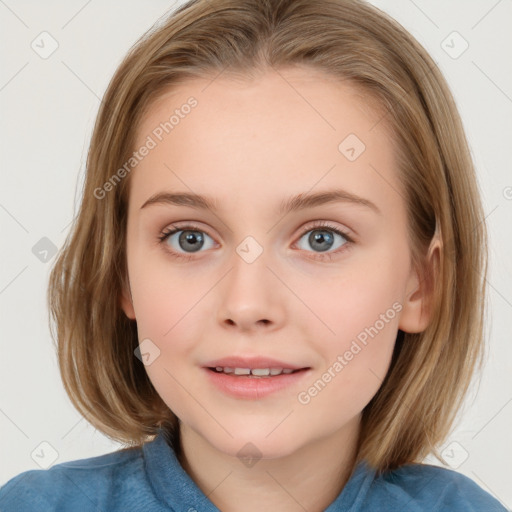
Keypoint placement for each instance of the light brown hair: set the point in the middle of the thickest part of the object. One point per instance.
(352, 41)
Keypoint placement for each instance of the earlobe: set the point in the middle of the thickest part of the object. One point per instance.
(126, 303)
(416, 313)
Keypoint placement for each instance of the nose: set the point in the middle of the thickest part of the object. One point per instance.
(251, 296)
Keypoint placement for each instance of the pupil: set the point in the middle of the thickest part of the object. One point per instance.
(319, 237)
(191, 237)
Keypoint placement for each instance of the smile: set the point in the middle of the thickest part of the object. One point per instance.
(254, 372)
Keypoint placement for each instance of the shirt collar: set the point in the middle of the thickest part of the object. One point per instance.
(171, 483)
(174, 487)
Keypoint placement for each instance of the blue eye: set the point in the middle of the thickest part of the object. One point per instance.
(322, 238)
(191, 239)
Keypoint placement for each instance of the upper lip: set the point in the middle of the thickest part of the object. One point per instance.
(252, 363)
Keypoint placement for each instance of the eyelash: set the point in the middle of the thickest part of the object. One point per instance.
(316, 227)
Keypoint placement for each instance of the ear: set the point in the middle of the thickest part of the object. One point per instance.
(126, 301)
(416, 313)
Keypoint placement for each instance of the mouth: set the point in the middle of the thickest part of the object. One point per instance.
(255, 378)
(257, 373)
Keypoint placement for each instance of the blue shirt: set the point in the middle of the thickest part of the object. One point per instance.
(151, 479)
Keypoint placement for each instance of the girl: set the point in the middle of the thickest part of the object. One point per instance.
(315, 341)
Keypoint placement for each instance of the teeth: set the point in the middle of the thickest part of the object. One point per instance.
(257, 372)
(261, 372)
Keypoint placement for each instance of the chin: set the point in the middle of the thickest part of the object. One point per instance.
(248, 447)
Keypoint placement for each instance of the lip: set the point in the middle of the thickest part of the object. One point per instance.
(250, 387)
(252, 363)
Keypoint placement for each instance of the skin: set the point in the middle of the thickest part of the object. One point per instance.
(250, 144)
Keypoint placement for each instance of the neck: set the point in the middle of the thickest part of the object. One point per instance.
(310, 478)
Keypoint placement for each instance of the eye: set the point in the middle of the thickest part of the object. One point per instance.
(322, 238)
(190, 239)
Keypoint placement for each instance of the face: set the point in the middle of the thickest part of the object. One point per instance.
(322, 287)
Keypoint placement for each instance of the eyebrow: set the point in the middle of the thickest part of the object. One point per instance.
(292, 204)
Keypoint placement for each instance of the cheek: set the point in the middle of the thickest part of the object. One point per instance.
(164, 295)
(356, 363)
(362, 312)
(169, 303)
(168, 312)
(354, 299)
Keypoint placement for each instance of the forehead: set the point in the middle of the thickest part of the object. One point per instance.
(290, 92)
(279, 131)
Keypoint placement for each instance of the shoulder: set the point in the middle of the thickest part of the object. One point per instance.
(85, 483)
(427, 487)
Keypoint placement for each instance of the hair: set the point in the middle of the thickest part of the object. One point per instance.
(354, 42)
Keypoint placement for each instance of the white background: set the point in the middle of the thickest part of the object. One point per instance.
(48, 107)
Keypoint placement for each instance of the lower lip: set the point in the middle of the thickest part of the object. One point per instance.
(251, 387)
